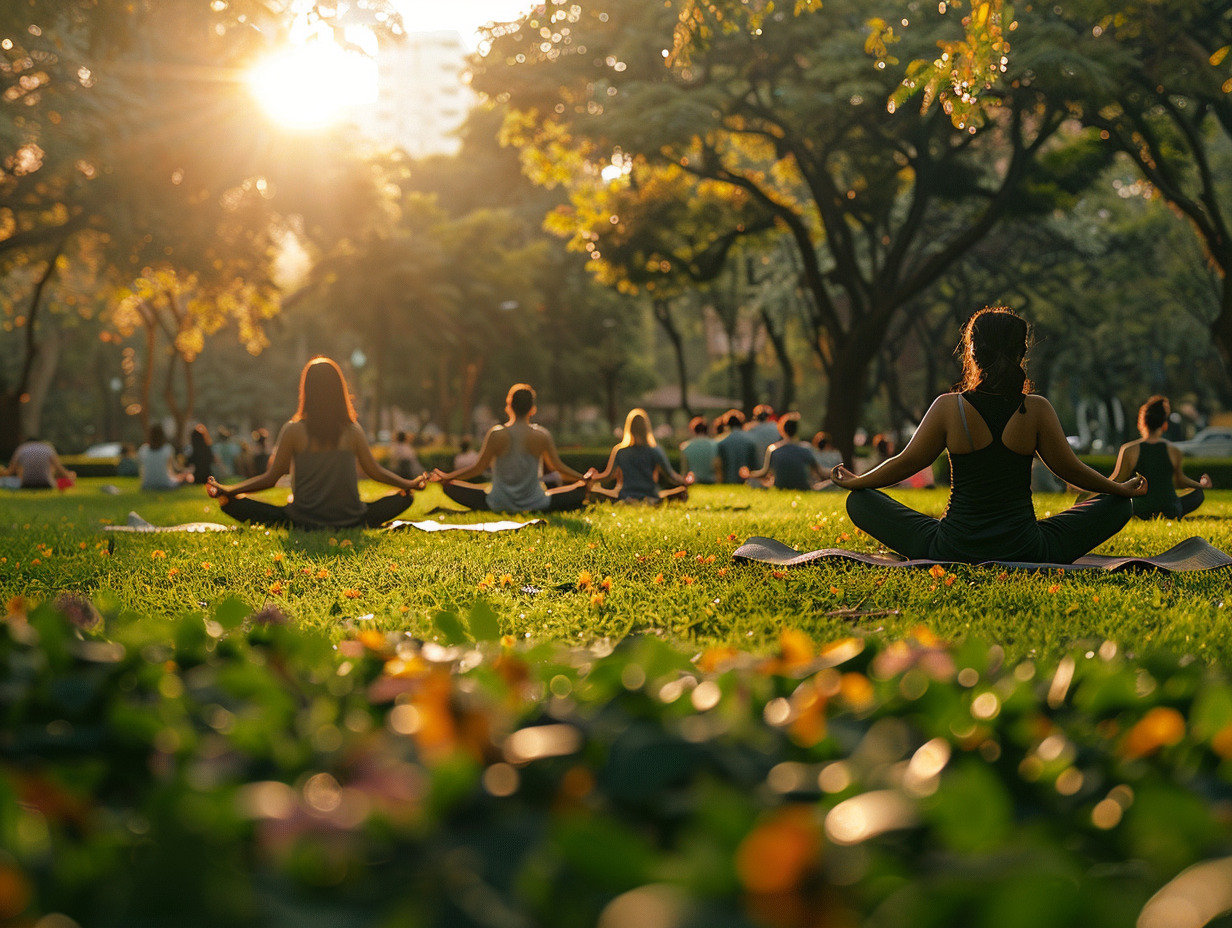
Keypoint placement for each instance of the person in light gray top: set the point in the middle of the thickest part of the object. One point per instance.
(323, 448)
(515, 451)
(36, 466)
(638, 464)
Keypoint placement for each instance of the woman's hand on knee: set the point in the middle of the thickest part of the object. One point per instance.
(841, 475)
(1134, 486)
(217, 491)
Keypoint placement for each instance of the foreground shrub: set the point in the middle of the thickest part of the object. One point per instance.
(226, 768)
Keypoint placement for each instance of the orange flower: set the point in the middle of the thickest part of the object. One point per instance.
(1095, 599)
(206, 565)
(606, 584)
(949, 581)
(592, 545)
(585, 580)
(776, 855)
(713, 658)
(596, 600)
(795, 647)
(686, 580)
(778, 574)
(372, 639)
(844, 536)
(487, 583)
(157, 554)
(731, 536)
(1055, 588)
(352, 594)
(34, 561)
(322, 574)
(276, 588)
(172, 572)
(835, 590)
(1003, 575)
(658, 578)
(937, 571)
(856, 690)
(506, 579)
(345, 543)
(722, 571)
(278, 557)
(1160, 727)
(392, 566)
(681, 554)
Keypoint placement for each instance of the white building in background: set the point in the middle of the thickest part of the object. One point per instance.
(422, 98)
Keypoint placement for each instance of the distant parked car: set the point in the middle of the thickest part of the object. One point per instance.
(1213, 442)
(108, 449)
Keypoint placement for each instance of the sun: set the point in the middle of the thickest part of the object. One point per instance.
(313, 85)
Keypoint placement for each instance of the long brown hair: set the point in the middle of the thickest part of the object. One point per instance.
(324, 401)
(637, 429)
(993, 346)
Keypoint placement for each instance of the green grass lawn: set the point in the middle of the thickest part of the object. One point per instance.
(600, 721)
(667, 570)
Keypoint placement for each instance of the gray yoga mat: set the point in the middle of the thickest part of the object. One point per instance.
(1191, 554)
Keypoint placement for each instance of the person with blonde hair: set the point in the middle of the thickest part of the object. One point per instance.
(515, 451)
(323, 448)
(639, 464)
(993, 426)
(1159, 461)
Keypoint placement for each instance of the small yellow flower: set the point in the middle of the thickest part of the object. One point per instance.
(345, 543)
(82, 546)
(506, 579)
(1055, 588)
(681, 554)
(278, 557)
(172, 572)
(585, 580)
(392, 566)
(333, 542)
(352, 594)
(1095, 599)
(276, 588)
(658, 578)
(268, 572)
(722, 571)
(844, 536)
(158, 554)
(487, 583)
(686, 580)
(322, 574)
(606, 584)
(596, 600)
(206, 565)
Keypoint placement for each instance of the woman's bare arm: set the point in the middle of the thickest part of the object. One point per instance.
(593, 474)
(487, 452)
(922, 450)
(747, 474)
(373, 469)
(1055, 451)
(279, 465)
(1179, 478)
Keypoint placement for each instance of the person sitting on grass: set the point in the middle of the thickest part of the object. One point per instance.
(790, 463)
(514, 451)
(699, 455)
(158, 464)
(639, 464)
(1159, 461)
(323, 448)
(36, 466)
(992, 426)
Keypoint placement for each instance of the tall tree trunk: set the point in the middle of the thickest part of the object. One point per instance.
(14, 398)
(41, 378)
(787, 395)
(844, 404)
(663, 313)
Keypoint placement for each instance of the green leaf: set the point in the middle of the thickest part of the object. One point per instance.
(484, 623)
(450, 628)
(231, 612)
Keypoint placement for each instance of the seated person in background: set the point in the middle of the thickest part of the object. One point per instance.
(1159, 461)
(36, 466)
(825, 453)
(992, 427)
(638, 463)
(157, 461)
(323, 448)
(790, 462)
(699, 455)
(127, 466)
(514, 451)
(226, 449)
(403, 460)
(201, 457)
(736, 448)
(467, 455)
(764, 430)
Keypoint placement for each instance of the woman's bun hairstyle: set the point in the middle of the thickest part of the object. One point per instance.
(1154, 414)
(993, 346)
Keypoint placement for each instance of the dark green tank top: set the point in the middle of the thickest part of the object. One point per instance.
(1160, 498)
(989, 515)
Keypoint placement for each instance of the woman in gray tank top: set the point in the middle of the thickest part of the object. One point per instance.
(515, 451)
(323, 448)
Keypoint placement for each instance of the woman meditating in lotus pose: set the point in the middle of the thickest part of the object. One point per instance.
(321, 448)
(1159, 462)
(514, 452)
(992, 427)
(639, 463)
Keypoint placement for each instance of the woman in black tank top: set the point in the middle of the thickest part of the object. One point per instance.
(1159, 462)
(992, 427)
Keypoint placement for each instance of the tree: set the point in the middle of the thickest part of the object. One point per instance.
(785, 127)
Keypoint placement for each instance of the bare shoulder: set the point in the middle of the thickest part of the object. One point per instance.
(296, 433)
